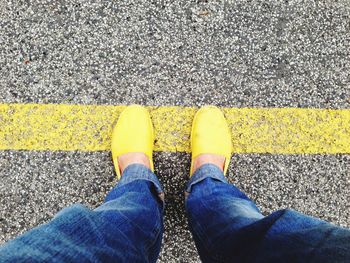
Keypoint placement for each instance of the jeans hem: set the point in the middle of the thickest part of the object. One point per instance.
(203, 172)
(140, 172)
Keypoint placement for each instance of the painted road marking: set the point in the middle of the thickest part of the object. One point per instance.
(254, 130)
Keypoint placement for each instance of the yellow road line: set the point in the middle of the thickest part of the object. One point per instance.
(255, 130)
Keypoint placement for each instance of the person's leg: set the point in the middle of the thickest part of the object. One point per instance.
(128, 227)
(228, 227)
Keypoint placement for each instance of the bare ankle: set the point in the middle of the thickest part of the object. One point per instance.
(133, 158)
(214, 159)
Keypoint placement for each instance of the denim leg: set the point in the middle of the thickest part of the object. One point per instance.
(228, 227)
(128, 227)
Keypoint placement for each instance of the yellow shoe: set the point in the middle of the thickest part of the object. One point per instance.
(132, 133)
(210, 135)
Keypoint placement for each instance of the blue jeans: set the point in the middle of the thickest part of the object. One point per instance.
(226, 226)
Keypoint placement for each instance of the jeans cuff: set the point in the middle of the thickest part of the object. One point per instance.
(203, 172)
(140, 172)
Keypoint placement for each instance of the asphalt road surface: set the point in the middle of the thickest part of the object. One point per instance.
(182, 53)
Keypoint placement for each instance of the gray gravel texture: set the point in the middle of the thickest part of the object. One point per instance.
(35, 185)
(229, 53)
